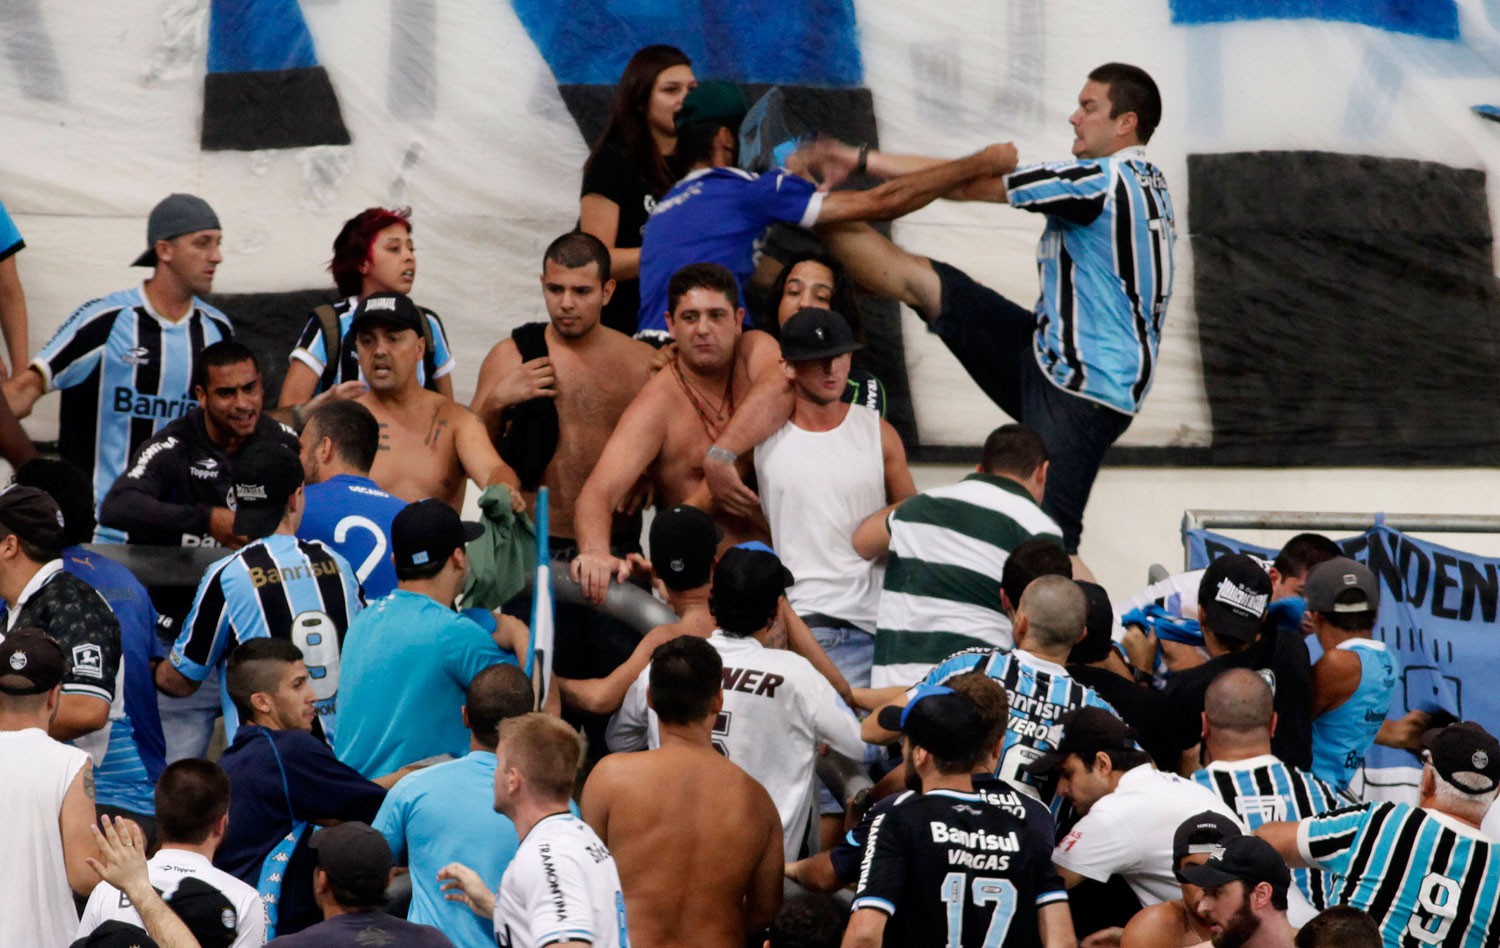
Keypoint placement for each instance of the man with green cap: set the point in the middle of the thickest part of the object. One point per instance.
(716, 212)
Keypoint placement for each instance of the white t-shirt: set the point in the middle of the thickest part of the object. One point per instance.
(34, 778)
(816, 487)
(168, 868)
(777, 710)
(1129, 832)
(561, 886)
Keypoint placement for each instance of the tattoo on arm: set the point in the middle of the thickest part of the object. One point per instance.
(88, 782)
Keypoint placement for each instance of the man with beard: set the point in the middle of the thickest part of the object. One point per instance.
(1244, 895)
(1177, 924)
(428, 444)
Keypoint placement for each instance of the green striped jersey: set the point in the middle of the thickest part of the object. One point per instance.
(942, 576)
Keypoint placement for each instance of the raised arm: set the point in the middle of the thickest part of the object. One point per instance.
(909, 192)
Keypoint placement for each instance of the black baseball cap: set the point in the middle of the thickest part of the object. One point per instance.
(1204, 832)
(266, 474)
(1464, 748)
(116, 934)
(712, 101)
(941, 721)
(206, 911)
(1330, 578)
(1233, 596)
(32, 515)
(1086, 731)
(813, 333)
(749, 579)
(173, 216)
(393, 309)
(1247, 859)
(31, 662)
(428, 531)
(683, 542)
(357, 859)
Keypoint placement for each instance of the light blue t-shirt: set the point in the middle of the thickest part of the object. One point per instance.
(407, 664)
(447, 814)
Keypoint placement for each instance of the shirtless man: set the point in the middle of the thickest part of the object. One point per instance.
(671, 424)
(695, 875)
(589, 371)
(428, 444)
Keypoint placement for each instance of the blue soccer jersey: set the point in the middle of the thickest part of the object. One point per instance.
(352, 515)
(1106, 270)
(312, 349)
(1425, 878)
(1342, 736)
(10, 237)
(1262, 790)
(716, 215)
(124, 372)
(1040, 693)
(279, 587)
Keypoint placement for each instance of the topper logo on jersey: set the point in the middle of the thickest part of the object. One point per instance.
(1236, 596)
(140, 355)
(127, 402)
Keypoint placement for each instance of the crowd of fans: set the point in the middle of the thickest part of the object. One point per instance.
(879, 716)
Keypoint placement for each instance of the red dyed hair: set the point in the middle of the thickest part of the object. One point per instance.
(351, 248)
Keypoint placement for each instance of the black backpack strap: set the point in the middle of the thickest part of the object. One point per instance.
(333, 341)
(429, 359)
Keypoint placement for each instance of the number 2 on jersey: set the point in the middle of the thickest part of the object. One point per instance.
(356, 522)
(1002, 892)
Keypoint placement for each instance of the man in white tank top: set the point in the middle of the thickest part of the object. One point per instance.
(47, 796)
(827, 469)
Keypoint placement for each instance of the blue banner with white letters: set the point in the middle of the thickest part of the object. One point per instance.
(1438, 611)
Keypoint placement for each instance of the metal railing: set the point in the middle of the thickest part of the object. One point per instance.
(1313, 520)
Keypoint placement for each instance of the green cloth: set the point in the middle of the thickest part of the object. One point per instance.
(501, 560)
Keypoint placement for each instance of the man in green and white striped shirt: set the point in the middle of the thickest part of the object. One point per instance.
(945, 549)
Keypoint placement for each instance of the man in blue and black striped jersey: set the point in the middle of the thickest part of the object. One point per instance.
(1427, 874)
(278, 587)
(1077, 365)
(125, 362)
(1238, 713)
(1049, 622)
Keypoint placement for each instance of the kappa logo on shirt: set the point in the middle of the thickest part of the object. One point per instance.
(88, 661)
(140, 355)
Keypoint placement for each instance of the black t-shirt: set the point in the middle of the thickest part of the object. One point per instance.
(1280, 655)
(1139, 706)
(613, 176)
(969, 869)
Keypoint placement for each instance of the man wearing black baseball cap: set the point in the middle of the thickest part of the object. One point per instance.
(1356, 674)
(782, 709)
(354, 869)
(1131, 810)
(1177, 922)
(431, 446)
(44, 794)
(905, 891)
(125, 362)
(1233, 598)
(276, 586)
(831, 466)
(410, 656)
(1244, 894)
(1396, 861)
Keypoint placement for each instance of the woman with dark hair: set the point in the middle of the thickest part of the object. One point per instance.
(815, 279)
(628, 169)
(373, 253)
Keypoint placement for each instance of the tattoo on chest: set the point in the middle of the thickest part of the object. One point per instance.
(385, 437)
(435, 430)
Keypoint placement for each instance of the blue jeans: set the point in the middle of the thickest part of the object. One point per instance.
(852, 652)
(187, 724)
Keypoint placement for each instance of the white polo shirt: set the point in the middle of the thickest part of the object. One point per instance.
(561, 886)
(1129, 832)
